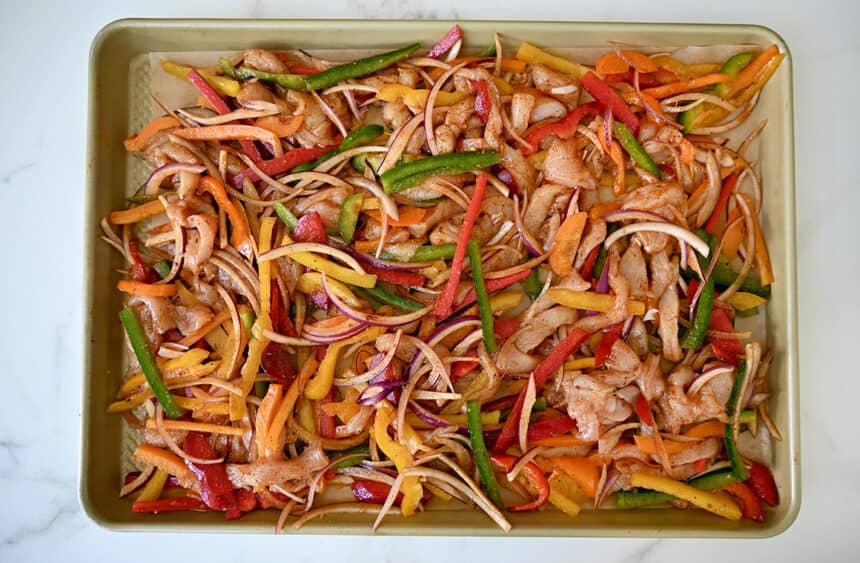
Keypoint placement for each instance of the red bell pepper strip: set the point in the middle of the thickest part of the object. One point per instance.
(700, 465)
(726, 349)
(446, 298)
(168, 505)
(565, 128)
(541, 374)
(275, 359)
(281, 164)
(303, 70)
(310, 228)
(725, 193)
(326, 421)
(365, 490)
(643, 410)
(750, 505)
(494, 284)
(590, 261)
(446, 43)
(217, 102)
(460, 369)
(215, 488)
(398, 277)
(483, 105)
(535, 475)
(139, 270)
(762, 483)
(550, 426)
(610, 335)
(607, 97)
(506, 327)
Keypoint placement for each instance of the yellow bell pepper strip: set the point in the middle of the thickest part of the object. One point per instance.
(318, 387)
(259, 342)
(647, 445)
(330, 269)
(708, 482)
(482, 456)
(561, 494)
(501, 302)
(683, 70)
(140, 346)
(311, 282)
(189, 359)
(189, 426)
(580, 363)
(590, 300)
(484, 308)
(359, 68)
(225, 86)
(703, 499)
(531, 54)
(399, 454)
(153, 487)
(743, 301)
(566, 243)
(417, 98)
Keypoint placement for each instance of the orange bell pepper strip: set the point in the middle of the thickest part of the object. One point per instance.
(408, 216)
(612, 63)
(138, 142)
(232, 132)
(240, 237)
(566, 243)
(535, 475)
(673, 88)
(136, 213)
(709, 429)
(135, 287)
(748, 75)
(583, 471)
(646, 444)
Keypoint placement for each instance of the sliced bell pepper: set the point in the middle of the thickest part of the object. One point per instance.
(138, 141)
(400, 455)
(494, 284)
(726, 349)
(549, 427)
(484, 309)
(708, 482)
(703, 499)
(168, 505)
(388, 298)
(318, 387)
(224, 85)
(358, 68)
(325, 421)
(429, 253)
(408, 216)
(417, 98)
(582, 470)
(534, 55)
(216, 490)
(532, 284)
(443, 303)
(609, 98)
(636, 151)
(310, 228)
(505, 327)
(336, 271)
(562, 492)
(724, 276)
(285, 80)
(725, 193)
(239, 237)
(348, 218)
(446, 43)
(483, 104)
(375, 492)
(761, 481)
(536, 478)
(541, 374)
(565, 128)
(281, 164)
(610, 335)
(407, 175)
(140, 346)
(591, 301)
(702, 316)
(139, 270)
(566, 243)
(398, 277)
(482, 456)
(286, 216)
(357, 138)
(750, 505)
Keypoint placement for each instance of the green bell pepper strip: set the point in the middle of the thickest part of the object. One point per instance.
(484, 309)
(137, 339)
(489, 51)
(404, 176)
(162, 268)
(532, 285)
(286, 215)
(724, 276)
(708, 482)
(348, 218)
(428, 253)
(247, 319)
(739, 469)
(636, 151)
(351, 457)
(314, 163)
(482, 456)
(732, 67)
(356, 69)
(600, 263)
(261, 388)
(388, 298)
(288, 81)
(539, 406)
(695, 336)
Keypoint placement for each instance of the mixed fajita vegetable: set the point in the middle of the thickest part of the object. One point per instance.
(506, 280)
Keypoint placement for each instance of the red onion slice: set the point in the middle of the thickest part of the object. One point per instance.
(378, 391)
(528, 240)
(703, 378)
(372, 318)
(163, 172)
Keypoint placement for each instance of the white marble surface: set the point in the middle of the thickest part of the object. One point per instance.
(44, 50)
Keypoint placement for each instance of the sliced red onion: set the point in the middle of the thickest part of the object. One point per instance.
(447, 328)
(163, 172)
(376, 369)
(633, 215)
(429, 417)
(667, 228)
(628, 326)
(376, 392)
(330, 335)
(528, 240)
(572, 204)
(703, 378)
(602, 286)
(607, 127)
(607, 486)
(372, 318)
(398, 142)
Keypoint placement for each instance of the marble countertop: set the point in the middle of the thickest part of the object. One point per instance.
(45, 49)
